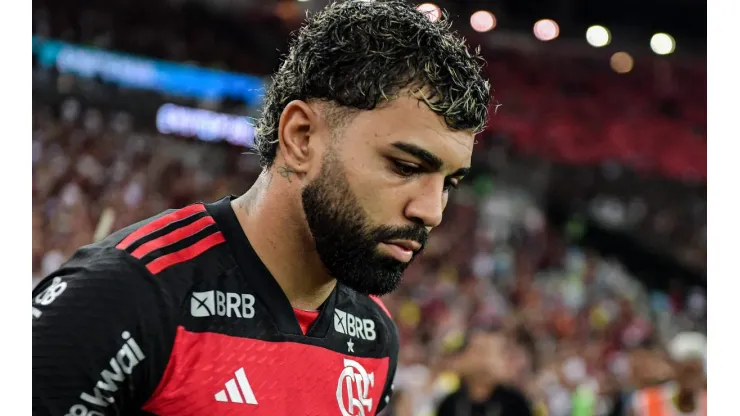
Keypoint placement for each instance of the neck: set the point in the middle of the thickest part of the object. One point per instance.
(277, 234)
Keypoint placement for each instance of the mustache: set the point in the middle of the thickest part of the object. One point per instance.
(416, 233)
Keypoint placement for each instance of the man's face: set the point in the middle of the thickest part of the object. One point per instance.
(488, 356)
(382, 187)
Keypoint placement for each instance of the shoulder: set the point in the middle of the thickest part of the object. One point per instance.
(98, 266)
(130, 260)
(169, 239)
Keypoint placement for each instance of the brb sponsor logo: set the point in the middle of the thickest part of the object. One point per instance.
(121, 365)
(218, 303)
(348, 324)
(353, 389)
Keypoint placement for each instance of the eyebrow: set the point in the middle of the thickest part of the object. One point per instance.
(428, 158)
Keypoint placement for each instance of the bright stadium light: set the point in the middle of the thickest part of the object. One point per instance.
(598, 36)
(430, 10)
(482, 21)
(546, 29)
(622, 62)
(662, 44)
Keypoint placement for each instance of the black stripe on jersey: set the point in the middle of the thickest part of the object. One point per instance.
(180, 244)
(166, 230)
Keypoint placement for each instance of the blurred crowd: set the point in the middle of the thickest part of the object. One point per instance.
(574, 109)
(501, 295)
(578, 110)
(85, 161)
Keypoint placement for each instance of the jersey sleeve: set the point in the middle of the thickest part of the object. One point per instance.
(102, 333)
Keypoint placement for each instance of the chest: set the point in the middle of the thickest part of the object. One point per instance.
(212, 373)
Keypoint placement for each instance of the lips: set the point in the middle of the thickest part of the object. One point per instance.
(406, 244)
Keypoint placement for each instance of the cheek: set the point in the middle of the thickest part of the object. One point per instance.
(381, 188)
(379, 201)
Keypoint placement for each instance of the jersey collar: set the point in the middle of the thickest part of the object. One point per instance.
(264, 284)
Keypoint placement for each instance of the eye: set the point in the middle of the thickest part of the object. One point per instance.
(405, 169)
(451, 185)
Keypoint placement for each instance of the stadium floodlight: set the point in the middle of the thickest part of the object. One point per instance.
(482, 21)
(662, 44)
(622, 62)
(598, 36)
(430, 10)
(546, 30)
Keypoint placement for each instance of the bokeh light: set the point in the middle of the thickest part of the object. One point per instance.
(622, 62)
(431, 10)
(598, 36)
(482, 21)
(546, 29)
(662, 44)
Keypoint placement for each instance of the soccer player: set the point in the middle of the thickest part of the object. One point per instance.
(266, 304)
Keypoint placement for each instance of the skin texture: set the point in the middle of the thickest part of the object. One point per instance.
(360, 185)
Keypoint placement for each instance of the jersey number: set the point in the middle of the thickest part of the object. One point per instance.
(49, 295)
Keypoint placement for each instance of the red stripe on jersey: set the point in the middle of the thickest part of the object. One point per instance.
(173, 237)
(157, 265)
(159, 224)
(382, 306)
(213, 374)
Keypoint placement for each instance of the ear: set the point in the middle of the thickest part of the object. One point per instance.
(298, 123)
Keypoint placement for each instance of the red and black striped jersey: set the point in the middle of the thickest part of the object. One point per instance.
(177, 315)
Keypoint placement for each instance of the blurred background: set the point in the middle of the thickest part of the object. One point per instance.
(580, 236)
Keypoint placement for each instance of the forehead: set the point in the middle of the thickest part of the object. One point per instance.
(409, 120)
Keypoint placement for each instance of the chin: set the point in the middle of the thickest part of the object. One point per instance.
(376, 285)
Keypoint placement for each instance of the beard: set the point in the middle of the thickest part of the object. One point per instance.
(346, 240)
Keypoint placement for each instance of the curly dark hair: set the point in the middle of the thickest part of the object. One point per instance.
(357, 55)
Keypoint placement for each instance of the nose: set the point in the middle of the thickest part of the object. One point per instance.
(427, 206)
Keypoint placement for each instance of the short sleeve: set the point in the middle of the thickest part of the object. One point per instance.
(102, 333)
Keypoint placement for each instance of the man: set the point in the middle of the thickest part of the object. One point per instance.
(263, 304)
(686, 395)
(485, 390)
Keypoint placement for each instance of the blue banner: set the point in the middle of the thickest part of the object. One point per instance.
(208, 126)
(143, 73)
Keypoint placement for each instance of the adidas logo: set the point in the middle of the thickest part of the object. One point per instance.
(237, 390)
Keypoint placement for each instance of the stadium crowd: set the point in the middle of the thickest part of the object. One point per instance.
(584, 332)
(576, 110)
